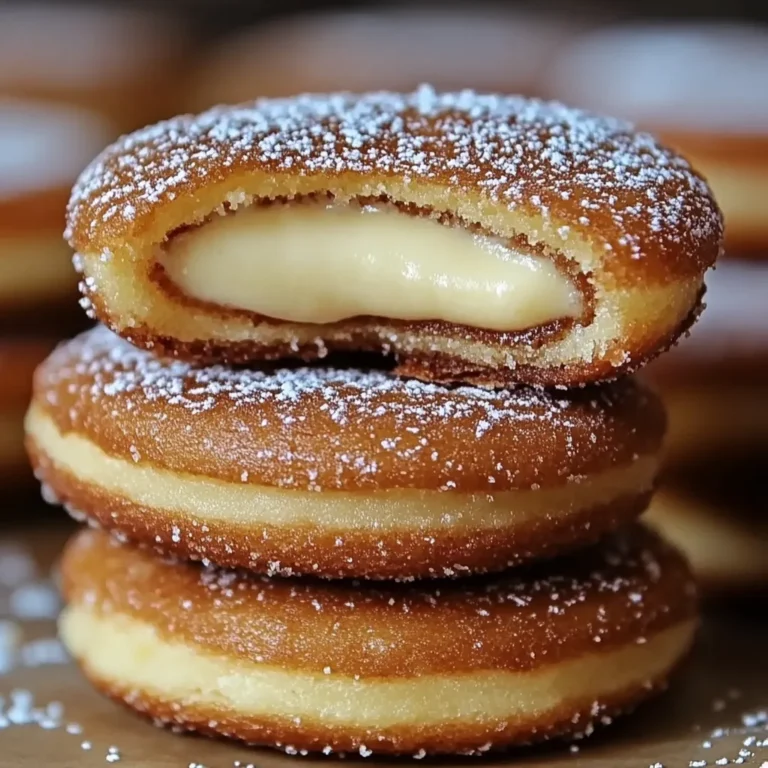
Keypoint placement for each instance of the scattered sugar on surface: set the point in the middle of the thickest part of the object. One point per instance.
(26, 595)
(20, 708)
(511, 150)
(17, 567)
(751, 736)
(35, 600)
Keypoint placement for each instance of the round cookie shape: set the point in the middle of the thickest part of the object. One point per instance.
(672, 76)
(337, 472)
(320, 666)
(45, 146)
(608, 231)
(698, 86)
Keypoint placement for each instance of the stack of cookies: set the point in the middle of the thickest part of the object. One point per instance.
(366, 460)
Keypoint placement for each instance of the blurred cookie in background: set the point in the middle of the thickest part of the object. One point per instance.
(18, 360)
(43, 146)
(116, 60)
(713, 502)
(388, 49)
(701, 87)
(715, 382)
(717, 515)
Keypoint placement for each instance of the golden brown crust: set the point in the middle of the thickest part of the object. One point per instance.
(295, 549)
(337, 429)
(571, 720)
(144, 186)
(445, 368)
(625, 589)
(626, 217)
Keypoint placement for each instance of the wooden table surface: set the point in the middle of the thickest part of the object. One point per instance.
(715, 714)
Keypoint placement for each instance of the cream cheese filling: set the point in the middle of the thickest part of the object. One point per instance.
(249, 505)
(324, 263)
(131, 654)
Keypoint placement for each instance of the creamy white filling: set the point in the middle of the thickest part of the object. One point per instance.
(313, 263)
(251, 505)
(130, 653)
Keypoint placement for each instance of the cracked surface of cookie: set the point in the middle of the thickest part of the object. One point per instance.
(336, 471)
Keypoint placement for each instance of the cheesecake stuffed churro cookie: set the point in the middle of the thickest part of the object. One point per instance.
(118, 61)
(395, 48)
(307, 665)
(18, 359)
(723, 537)
(336, 472)
(478, 238)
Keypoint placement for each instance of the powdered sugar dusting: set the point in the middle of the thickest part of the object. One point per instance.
(510, 150)
(117, 367)
(628, 565)
(263, 416)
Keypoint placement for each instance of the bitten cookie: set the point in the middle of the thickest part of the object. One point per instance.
(478, 238)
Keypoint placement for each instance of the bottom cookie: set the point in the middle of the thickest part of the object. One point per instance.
(305, 665)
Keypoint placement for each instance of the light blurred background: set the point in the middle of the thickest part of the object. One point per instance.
(73, 76)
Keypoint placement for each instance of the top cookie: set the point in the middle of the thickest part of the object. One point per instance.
(484, 238)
